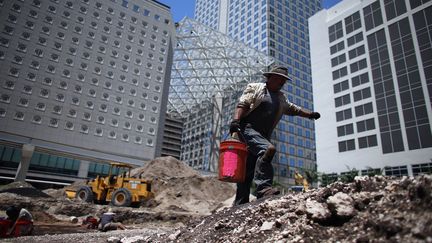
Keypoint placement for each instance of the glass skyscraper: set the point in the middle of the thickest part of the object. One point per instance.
(278, 28)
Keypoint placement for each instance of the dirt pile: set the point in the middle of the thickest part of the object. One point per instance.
(376, 209)
(179, 188)
(181, 194)
(164, 168)
(22, 189)
(370, 209)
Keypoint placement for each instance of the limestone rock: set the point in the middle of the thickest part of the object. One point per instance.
(317, 211)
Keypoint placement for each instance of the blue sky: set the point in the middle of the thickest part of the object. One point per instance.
(181, 8)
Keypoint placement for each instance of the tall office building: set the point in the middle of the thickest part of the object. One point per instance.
(372, 76)
(278, 28)
(83, 81)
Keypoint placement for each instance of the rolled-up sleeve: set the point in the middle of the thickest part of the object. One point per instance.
(247, 97)
(291, 108)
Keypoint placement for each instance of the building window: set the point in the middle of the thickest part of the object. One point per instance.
(371, 171)
(345, 130)
(5, 98)
(101, 119)
(53, 122)
(57, 110)
(352, 22)
(419, 169)
(19, 116)
(341, 86)
(397, 171)
(365, 125)
(362, 94)
(37, 119)
(360, 79)
(354, 67)
(75, 101)
(395, 8)
(344, 115)
(44, 93)
(412, 98)
(368, 141)
(346, 145)
(356, 52)
(355, 39)
(9, 85)
(338, 60)
(385, 96)
(363, 109)
(340, 73)
(335, 31)
(40, 106)
(342, 100)
(372, 15)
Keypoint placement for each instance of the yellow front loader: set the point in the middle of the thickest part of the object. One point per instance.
(301, 182)
(119, 190)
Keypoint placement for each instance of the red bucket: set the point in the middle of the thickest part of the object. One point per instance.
(232, 161)
(23, 227)
(4, 227)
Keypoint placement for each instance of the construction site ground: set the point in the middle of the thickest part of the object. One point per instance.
(191, 208)
(181, 195)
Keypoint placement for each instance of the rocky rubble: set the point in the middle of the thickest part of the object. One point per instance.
(376, 209)
(370, 209)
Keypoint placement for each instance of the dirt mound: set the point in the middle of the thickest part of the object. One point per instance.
(17, 184)
(196, 194)
(376, 209)
(163, 168)
(23, 189)
(56, 193)
(60, 193)
(179, 188)
(40, 216)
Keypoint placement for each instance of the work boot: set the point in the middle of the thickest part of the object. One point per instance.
(267, 192)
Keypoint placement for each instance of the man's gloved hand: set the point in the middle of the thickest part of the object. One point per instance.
(314, 115)
(234, 126)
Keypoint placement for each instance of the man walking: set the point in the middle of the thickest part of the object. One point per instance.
(260, 108)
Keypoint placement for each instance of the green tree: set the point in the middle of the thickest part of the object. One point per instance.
(327, 179)
(350, 175)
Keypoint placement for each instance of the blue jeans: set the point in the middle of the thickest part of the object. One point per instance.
(257, 170)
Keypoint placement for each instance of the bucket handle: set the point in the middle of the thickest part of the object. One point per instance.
(241, 137)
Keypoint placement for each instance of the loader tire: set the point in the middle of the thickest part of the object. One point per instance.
(121, 198)
(85, 194)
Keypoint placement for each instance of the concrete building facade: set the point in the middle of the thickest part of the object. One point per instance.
(86, 79)
(172, 136)
(278, 28)
(372, 80)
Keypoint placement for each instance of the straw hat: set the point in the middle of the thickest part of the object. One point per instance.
(277, 70)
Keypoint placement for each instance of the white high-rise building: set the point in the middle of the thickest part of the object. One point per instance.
(372, 80)
(83, 81)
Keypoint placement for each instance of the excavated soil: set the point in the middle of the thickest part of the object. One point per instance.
(179, 188)
(23, 189)
(181, 195)
(197, 209)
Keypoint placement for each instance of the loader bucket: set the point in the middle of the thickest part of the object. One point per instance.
(70, 193)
